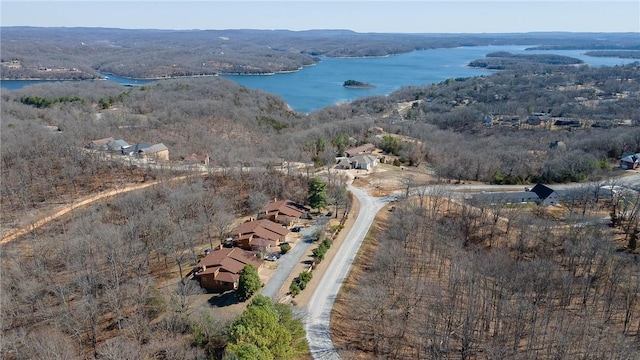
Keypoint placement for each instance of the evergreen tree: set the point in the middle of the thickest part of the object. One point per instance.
(317, 193)
(248, 283)
(266, 331)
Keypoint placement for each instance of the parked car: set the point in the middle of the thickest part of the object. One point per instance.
(330, 213)
(272, 257)
(296, 229)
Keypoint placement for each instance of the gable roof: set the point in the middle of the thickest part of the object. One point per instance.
(227, 259)
(153, 149)
(285, 207)
(100, 142)
(344, 162)
(135, 148)
(255, 226)
(263, 242)
(360, 149)
(542, 191)
(630, 157)
(117, 144)
(367, 158)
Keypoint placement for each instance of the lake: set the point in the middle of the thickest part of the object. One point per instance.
(318, 86)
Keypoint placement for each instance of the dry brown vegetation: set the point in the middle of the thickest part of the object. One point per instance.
(441, 281)
(104, 282)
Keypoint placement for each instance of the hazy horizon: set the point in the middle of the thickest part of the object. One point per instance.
(426, 16)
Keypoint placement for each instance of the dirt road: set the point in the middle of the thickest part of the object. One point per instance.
(12, 235)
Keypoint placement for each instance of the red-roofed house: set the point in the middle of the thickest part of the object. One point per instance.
(220, 269)
(246, 234)
(283, 212)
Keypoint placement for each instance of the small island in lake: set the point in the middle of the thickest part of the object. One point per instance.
(354, 84)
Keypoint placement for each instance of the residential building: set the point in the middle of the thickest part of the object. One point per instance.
(546, 195)
(157, 152)
(100, 144)
(511, 197)
(540, 194)
(132, 150)
(630, 161)
(364, 162)
(116, 146)
(273, 233)
(362, 149)
(220, 269)
(283, 212)
(343, 163)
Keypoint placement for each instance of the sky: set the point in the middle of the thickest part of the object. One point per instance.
(420, 16)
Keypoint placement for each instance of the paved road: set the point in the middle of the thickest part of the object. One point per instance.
(321, 303)
(288, 262)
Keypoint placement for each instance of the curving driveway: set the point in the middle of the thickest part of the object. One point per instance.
(321, 303)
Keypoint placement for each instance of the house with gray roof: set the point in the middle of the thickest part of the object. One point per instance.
(364, 162)
(546, 195)
(630, 161)
(116, 146)
(511, 197)
(132, 150)
(157, 152)
(540, 194)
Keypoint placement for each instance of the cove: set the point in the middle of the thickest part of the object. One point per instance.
(321, 85)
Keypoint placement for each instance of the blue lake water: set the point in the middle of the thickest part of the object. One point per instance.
(318, 86)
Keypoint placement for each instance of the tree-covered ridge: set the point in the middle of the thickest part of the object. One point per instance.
(631, 54)
(83, 52)
(504, 60)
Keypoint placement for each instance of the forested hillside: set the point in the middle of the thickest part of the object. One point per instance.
(503, 126)
(75, 53)
(89, 282)
(506, 126)
(439, 279)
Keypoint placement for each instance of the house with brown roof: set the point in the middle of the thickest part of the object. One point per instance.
(220, 269)
(283, 212)
(362, 149)
(100, 144)
(270, 233)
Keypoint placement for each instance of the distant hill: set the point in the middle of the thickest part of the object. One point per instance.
(630, 54)
(67, 53)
